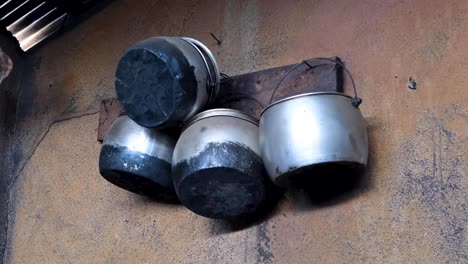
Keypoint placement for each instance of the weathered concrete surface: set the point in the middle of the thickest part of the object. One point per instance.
(412, 208)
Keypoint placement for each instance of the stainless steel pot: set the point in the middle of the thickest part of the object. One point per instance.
(137, 158)
(162, 82)
(312, 129)
(217, 168)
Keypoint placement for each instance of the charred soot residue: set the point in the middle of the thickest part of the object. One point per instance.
(433, 179)
(136, 172)
(264, 251)
(225, 180)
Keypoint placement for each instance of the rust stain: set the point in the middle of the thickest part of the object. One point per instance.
(68, 81)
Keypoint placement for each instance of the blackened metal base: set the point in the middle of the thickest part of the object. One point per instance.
(235, 188)
(136, 172)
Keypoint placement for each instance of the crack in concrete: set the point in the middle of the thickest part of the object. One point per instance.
(13, 180)
(188, 17)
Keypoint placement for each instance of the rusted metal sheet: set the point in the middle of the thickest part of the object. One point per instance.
(251, 92)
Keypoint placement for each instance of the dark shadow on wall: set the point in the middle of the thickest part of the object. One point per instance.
(8, 100)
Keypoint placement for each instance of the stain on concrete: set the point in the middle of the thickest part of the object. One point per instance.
(435, 48)
(247, 46)
(433, 181)
(28, 89)
(264, 251)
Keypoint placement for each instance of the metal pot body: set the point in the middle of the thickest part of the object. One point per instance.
(137, 158)
(311, 129)
(217, 167)
(162, 82)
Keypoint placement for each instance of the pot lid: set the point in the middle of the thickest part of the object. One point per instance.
(220, 112)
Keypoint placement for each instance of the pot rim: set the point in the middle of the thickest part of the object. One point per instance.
(227, 112)
(303, 95)
(213, 61)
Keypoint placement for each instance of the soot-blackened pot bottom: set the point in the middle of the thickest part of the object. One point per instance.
(156, 84)
(233, 189)
(136, 172)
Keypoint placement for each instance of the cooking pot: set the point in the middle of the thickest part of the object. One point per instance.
(137, 158)
(163, 81)
(308, 130)
(217, 168)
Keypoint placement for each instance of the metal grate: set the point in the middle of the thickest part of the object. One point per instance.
(30, 21)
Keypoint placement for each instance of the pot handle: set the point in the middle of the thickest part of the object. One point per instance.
(356, 101)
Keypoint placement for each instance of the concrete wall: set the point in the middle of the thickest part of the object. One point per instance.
(413, 208)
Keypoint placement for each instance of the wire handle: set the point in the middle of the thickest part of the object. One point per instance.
(210, 82)
(356, 101)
